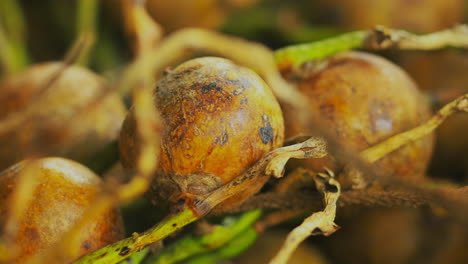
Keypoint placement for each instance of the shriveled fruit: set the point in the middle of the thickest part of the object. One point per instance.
(219, 119)
(363, 99)
(66, 119)
(64, 190)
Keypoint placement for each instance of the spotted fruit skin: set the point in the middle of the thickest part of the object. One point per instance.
(219, 119)
(364, 99)
(49, 113)
(63, 192)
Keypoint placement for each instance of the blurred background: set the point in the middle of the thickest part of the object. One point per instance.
(45, 30)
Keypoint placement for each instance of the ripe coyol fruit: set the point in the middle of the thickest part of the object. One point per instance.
(63, 192)
(363, 99)
(59, 112)
(219, 119)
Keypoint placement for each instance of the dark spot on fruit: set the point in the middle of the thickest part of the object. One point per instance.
(117, 249)
(31, 233)
(87, 245)
(174, 225)
(223, 139)
(211, 86)
(124, 251)
(266, 132)
(102, 255)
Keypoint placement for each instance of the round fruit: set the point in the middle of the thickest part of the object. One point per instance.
(363, 99)
(63, 191)
(219, 119)
(61, 120)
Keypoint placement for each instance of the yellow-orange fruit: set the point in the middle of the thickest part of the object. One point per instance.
(219, 119)
(65, 119)
(63, 192)
(363, 99)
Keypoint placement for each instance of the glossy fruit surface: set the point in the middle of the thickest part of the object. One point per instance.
(363, 99)
(62, 117)
(219, 119)
(64, 190)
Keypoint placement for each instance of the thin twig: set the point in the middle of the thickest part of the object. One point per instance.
(310, 200)
(378, 151)
(319, 223)
(86, 25)
(141, 28)
(13, 52)
(384, 38)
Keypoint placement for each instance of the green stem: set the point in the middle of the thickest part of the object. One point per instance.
(292, 57)
(86, 24)
(13, 52)
(233, 248)
(124, 248)
(191, 246)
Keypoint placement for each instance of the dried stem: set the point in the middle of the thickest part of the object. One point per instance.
(310, 200)
(378, 151)
(141, 28)
(385, 38)
(86, 26)
(319, 223)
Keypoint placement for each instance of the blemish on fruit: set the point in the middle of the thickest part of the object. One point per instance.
(223, 139)
(211, 86)
(31, 233)
(87, 245)
(266, 132)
